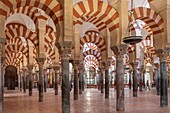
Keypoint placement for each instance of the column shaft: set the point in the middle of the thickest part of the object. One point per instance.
(56, 69)
(30, 79)
(120, 84)
(157, 81)
(1, 86)
(80, 82)
(106, 83)
(130, 80)
(24, 80)
(163, 84)
(41, 62)
(102, 81)
(135, 82)
(76, 80)
(65, 86)
(83, 82)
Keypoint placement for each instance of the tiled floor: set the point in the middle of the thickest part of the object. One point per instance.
(91, 101)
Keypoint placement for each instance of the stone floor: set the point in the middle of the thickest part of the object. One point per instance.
(91, 101)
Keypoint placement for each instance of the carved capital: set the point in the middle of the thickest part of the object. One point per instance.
(64, 49)
(76, 64)
(30, 67)
(41, 61)
(24, 69)
(162, 54)
(106, 65)
(119, 50)
(134, 65)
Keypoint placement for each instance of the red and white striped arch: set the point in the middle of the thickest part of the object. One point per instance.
(90, 60)
(51, 7)
(96, 12)
(14, 30)
(16, 48)
(92, 38)
(30, 11)
(150, 17)
(95, 53)
(13, 58)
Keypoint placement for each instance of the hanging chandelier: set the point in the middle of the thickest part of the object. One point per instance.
(131, 39)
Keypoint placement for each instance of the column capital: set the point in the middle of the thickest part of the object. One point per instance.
(30, 67)
(24, 69)
(64, 49)
(119, 50)
(41, 61)
(56, 67)
(134, 65)
(162, 54)
(76, 64)
(107, 64)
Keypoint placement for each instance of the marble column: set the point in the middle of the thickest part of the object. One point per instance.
(80, 78)
(76, 65)
(119, 51)
(41, 63)
(65, 52)
(24, 79)
(3, 74)
(163, 77)
(141, 75)
(56, 69)
(107, 65)
(45, 80)
(101, 81)
(21, 72)
(2, 40)
(135, 80)
(158, 81)
(83, 82)
(157, 74)
(30, 68)
(130, 79)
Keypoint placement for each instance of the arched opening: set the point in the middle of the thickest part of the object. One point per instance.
(11, 77)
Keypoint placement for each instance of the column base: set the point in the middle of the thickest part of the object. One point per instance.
(134, 94)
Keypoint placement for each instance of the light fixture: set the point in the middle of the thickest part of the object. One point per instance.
(131, 39)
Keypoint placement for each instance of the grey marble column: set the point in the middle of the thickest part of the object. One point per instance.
(119, 51)
(21, 72)
(162, 54)
(24, 80)
(141, 75)
(76, 65)
(130, 79)
(135, 81)
(45, 80)
(157, 72)
(80, 78)
(30, 68)
(56, 69)
(107, 65)
(101, 81)
(41, 63)
(83, 82)
(65, 52)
